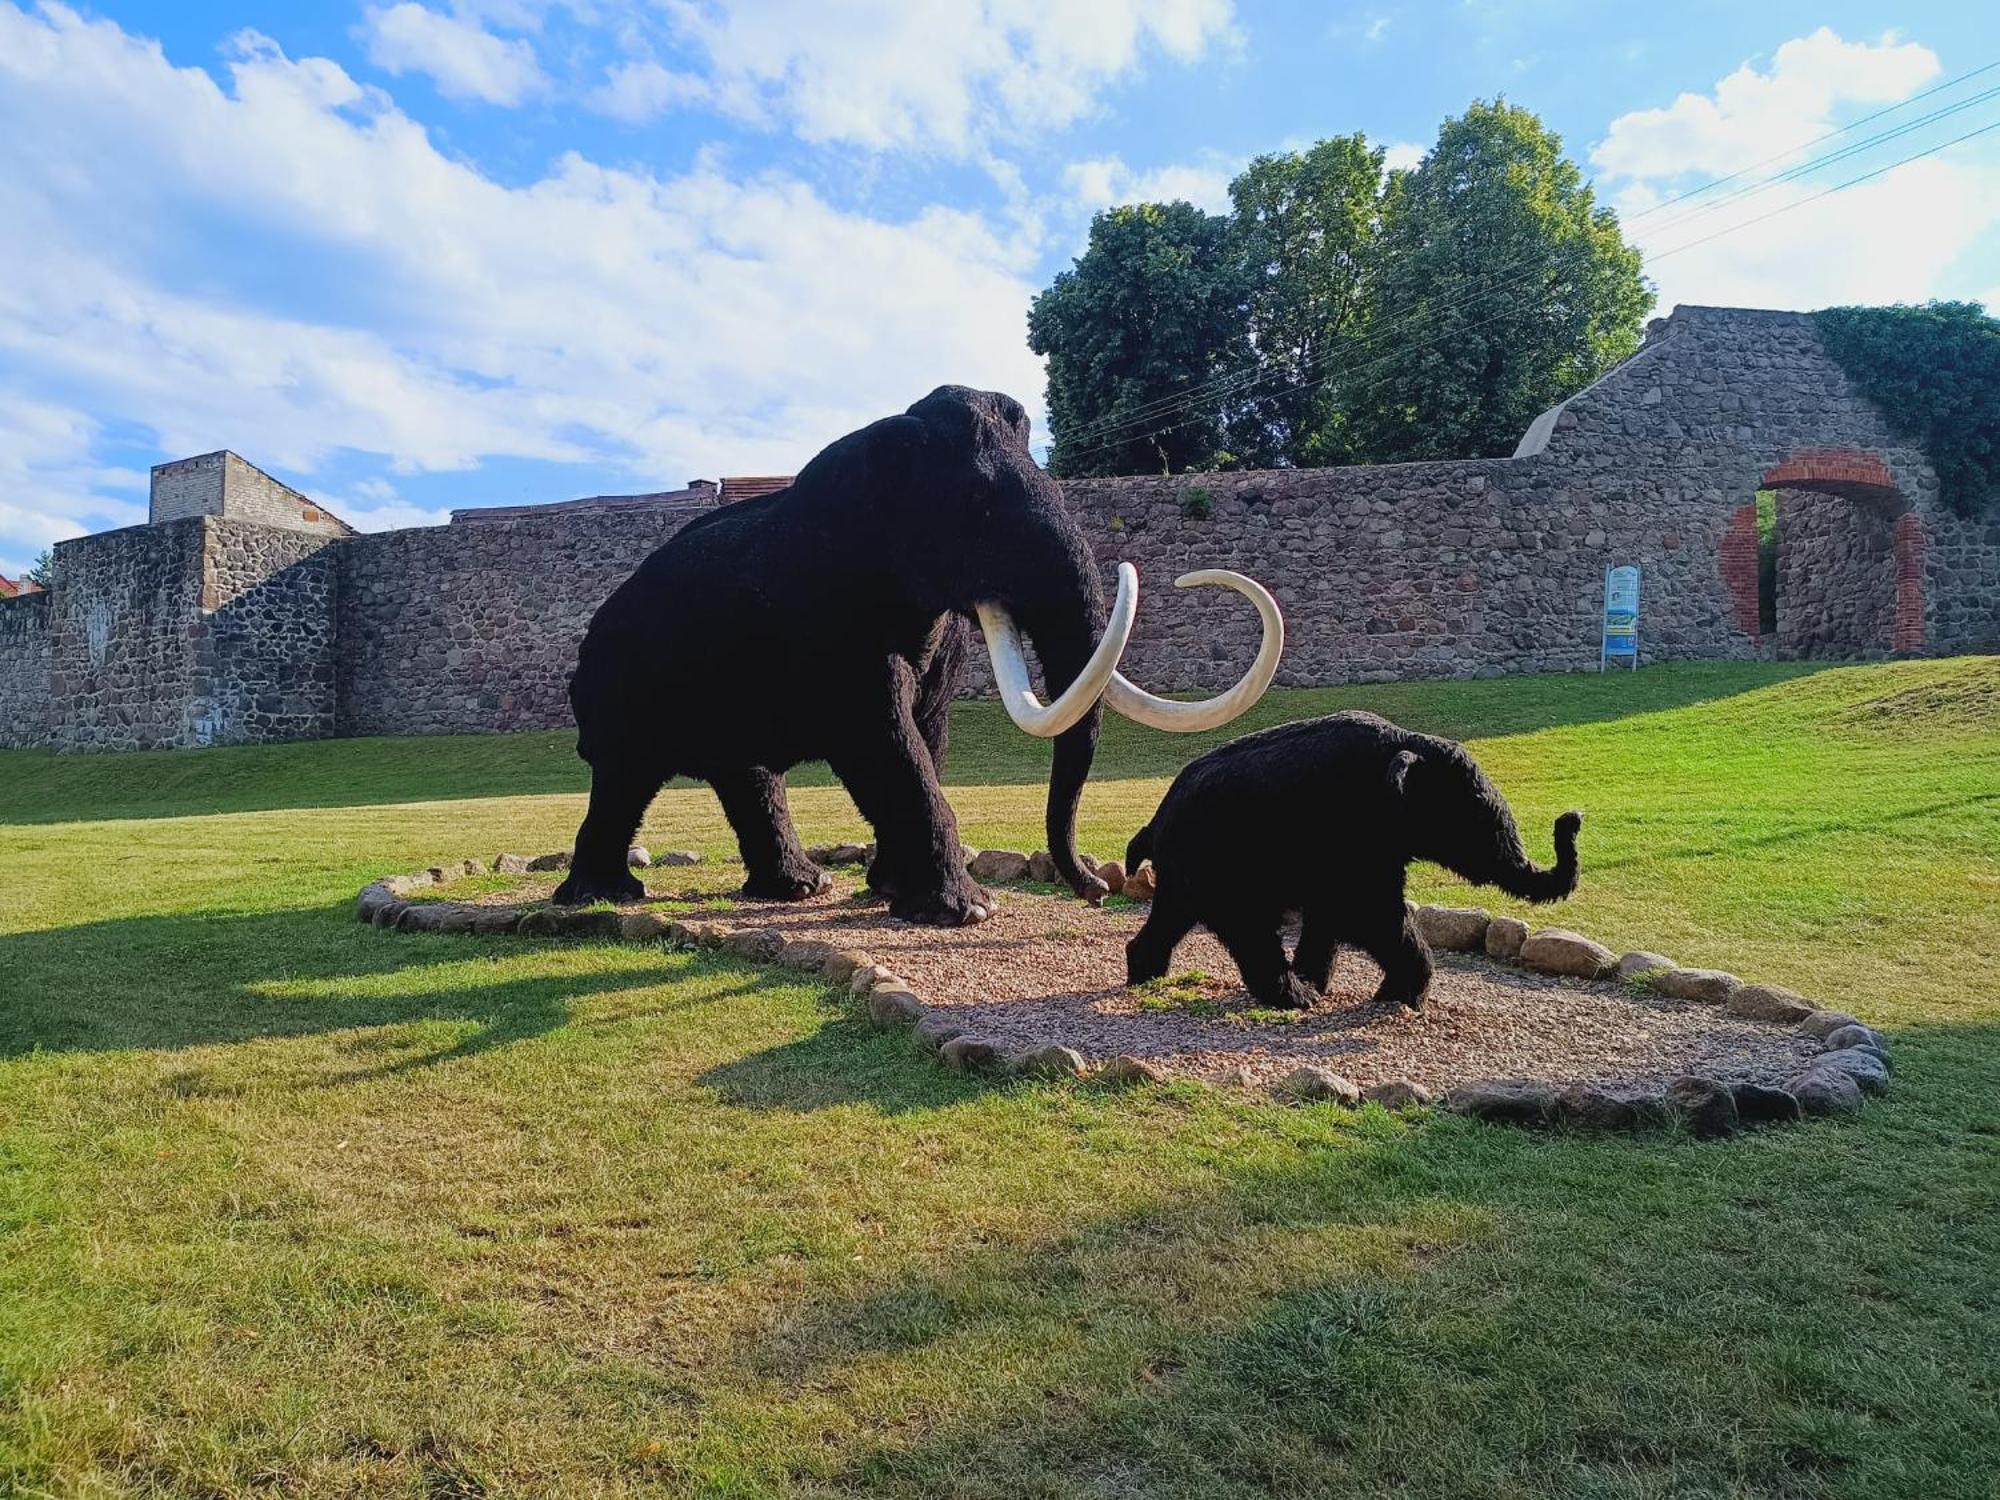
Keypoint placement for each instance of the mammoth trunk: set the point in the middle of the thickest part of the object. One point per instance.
(1518, 875)
(1064, 645)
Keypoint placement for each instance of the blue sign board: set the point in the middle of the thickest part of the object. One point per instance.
(1621, 617)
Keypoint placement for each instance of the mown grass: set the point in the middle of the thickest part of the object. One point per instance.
(292, 1206)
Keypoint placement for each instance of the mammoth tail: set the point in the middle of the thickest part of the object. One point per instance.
(1140, 849)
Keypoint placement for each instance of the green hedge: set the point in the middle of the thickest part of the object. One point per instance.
(1935, 372)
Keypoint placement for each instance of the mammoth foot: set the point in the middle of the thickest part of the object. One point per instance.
(582, 888)
(1290, 993)
(961, 908)
(788, 885)
(1406, 993)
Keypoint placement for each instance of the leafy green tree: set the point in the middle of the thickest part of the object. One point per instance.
(1304, 225)
(43, 573)
(1935, 372)
(1501, 288)
(1152, 310)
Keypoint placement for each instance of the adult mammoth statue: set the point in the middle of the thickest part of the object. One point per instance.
(828, 622)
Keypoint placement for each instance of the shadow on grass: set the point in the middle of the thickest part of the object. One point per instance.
(42, 787)
(844, 1062)
(145, 983)
(1444, 1308)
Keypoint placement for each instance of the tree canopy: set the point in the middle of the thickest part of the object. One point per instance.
(1151, 310)
(1338, 314)
(1502, 288)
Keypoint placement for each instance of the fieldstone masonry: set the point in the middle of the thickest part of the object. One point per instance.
(248, 612)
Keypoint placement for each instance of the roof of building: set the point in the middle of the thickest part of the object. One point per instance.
(13, 588)
(700, 491)
(750, 486)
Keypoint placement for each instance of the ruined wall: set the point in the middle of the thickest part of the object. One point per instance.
(1471, 569)
(187, 487)
(1836, 589)
(469, 629)
(1958, 560)
(125, 614)
(223, 485)
(1406, 570)
(212, 628)
(267, 650)
(195, 632)
(26, 707)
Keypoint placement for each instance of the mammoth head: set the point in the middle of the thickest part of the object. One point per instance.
(1032, 571)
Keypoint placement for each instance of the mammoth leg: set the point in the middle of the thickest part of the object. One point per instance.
(931, 712)
(919, 861)
(1317, 950)
(1260, 958)
(1151, 951)
(937, 688)
(1393, 941)
(619, 796)
(753, 800)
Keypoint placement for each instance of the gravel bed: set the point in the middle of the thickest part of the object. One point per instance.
(1048, 968)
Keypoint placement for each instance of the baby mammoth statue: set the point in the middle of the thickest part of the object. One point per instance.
(1320, 818)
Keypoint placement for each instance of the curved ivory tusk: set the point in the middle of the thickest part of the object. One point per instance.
(1010, 668)
(1137, 704)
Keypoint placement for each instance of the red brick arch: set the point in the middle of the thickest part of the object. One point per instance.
(1856, 474)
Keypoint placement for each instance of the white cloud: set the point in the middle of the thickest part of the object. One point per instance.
(51, 488)
(1403, 156)
(640, 91)
(1378, 28)
(674, 326)
(1106, 181)
(1902, 236)
(1751, 115)
(465, 59)
(1896, 239)
(884, 74)
(374, 505)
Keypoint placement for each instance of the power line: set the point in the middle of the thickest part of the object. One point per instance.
(1141, 419)
(1663, 255)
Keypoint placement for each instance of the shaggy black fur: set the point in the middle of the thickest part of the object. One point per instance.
(829, 621)
(1320, 818)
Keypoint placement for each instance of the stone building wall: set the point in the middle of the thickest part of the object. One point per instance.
(212, 628)
(26, 641)
(472, 629)
(1836, 586)
(1476, 568)
(268, 648)
(125, 613)
(187, 487)
(228, 487)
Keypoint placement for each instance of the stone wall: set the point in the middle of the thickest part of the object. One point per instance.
(268, 649)
(194, 632)
(125, 615)
(1958, 561)
(214, 628)
(228, 487)
(26, 641)
(1476, 568)
(1836, 590)
(187, 487)
(471, 629)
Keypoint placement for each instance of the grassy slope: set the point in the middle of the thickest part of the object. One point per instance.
(286, 1203)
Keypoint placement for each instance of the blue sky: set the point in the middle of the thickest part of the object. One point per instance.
(410, 256)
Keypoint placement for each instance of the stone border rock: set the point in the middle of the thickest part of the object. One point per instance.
(1853, 1063)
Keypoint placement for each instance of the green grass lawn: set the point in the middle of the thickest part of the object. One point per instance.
(292, 1206)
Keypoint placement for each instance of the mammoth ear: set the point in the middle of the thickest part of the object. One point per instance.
(1399, 770)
